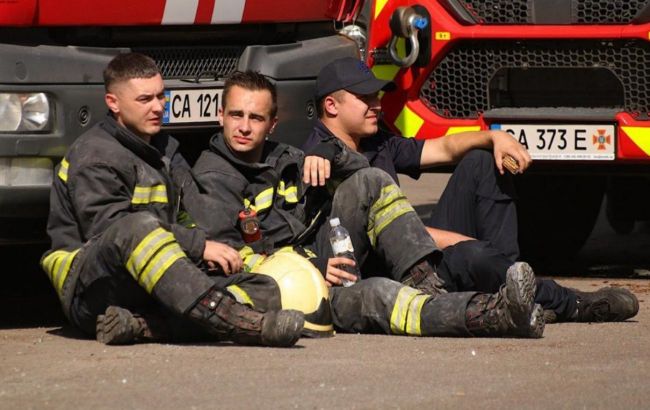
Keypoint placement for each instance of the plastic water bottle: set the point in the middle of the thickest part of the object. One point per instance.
(342, 246)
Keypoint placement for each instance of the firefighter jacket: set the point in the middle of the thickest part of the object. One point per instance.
(288, 210)
(109, 173)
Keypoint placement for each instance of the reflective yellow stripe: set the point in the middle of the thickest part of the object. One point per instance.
(264, 199)
(57, 265)
(240, 295)
(152, 257)
(408, 122)
(401, 310)
(149, 194)
(249, 205)
(414, 315)
(253, 261)
(63, 170)
(379, 6)
(159, 265)
(290, 194)
(391, 204)
(458, 130)
(640, 136)
(152, 243)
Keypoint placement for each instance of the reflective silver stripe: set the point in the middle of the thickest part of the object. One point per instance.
(264, 199)
(159, 265)
(152, 243)
(391, 204)
(149, 194)
(401, 310)
(63, 170)
(415, 314)
(57, 265)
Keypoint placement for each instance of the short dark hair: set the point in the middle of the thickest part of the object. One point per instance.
(127, 66)
(253, 81)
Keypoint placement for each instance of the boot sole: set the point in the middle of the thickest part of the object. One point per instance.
(520, 291)
(114, 328)
(537, 323)
(287, 330)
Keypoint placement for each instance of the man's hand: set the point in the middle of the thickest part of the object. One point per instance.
(316, 170)
(504, 144)
(217, 253)
(336, 276)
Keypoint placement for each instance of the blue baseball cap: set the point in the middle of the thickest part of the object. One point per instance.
(350, 74)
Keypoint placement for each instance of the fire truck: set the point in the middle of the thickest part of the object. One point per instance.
(568, 78)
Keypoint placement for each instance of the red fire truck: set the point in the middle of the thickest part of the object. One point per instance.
(568, 78)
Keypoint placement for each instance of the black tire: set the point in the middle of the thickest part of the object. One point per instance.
(556, 215)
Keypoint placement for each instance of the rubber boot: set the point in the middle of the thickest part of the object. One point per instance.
(229, 320)
(118, 326)
(423, 277)
(509, 312)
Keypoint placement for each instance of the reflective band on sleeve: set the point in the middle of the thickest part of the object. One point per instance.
(391, 204)
(401, 310)
(240, 295)
(152, 257)
(149, 194)
(57, 266)
(264, 199)
(63, 170)
(252, 261)
(290, 194)
(414, 315)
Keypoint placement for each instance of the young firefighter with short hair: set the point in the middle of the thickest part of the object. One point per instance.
(477, 204)
(242, 170)
(118, 253)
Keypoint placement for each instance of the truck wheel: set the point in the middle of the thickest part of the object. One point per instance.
(556, 216)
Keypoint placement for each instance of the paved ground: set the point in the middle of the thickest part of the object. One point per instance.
(573, 366)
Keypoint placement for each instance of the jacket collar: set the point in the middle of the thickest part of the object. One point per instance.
(151, 152)
(369, 146)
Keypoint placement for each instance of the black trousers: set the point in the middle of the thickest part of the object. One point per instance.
(138, 244)
(480, 203)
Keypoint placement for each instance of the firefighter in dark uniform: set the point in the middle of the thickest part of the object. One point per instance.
(475, 221)
(117, 249)
(243, 171)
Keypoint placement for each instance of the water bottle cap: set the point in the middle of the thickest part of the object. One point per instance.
(335, 222)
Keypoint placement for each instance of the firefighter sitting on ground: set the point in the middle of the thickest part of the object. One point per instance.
(118, 254)
(244, 171)
(475, 220)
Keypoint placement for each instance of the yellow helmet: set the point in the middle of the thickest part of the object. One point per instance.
(303, 288)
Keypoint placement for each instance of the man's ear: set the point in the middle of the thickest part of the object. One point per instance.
(274, 122)
(112, 102)
(330, 106)
(220, 115)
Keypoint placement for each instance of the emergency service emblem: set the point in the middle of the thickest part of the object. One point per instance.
(601, 139)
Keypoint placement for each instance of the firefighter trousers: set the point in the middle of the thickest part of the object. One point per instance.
(381, 222)
(137, 264)
(381, 305)
(480, 203)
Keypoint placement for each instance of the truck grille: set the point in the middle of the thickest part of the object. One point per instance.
(582, 11)
(459, 86)
(194, 62)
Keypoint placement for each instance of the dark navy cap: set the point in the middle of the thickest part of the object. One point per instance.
(350, 74)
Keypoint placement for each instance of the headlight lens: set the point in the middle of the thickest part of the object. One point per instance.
(24, 112)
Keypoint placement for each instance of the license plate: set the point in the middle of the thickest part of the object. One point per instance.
(193, 106)
(564, 142)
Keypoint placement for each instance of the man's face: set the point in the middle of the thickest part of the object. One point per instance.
(358, 114)
(247, 120)
(138, 105)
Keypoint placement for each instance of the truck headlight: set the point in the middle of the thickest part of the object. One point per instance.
(24, 112)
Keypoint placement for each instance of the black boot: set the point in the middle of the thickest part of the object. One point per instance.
(423, 277)
(606, 305)
(118, 326)
(509, 312)
(224, 317)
